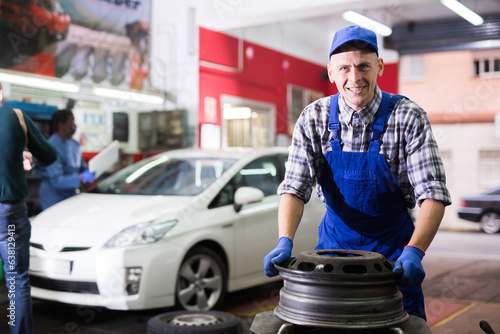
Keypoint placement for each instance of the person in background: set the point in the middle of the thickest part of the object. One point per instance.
(15, 227)
(63, 179)
(372, 155)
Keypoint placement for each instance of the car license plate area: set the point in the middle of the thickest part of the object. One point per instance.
(53, 266)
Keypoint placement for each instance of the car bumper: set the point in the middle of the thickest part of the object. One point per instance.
(471, 214)
(99, 278)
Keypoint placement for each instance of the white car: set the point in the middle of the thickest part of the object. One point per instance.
(180, 228)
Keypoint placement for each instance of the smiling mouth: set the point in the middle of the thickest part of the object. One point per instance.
(356, 90)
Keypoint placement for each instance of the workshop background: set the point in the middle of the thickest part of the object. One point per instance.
(159, 75)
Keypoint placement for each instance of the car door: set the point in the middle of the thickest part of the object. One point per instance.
(256, 224)
(306, 236)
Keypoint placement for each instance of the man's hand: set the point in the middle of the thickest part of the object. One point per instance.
(27, 160)
(280, 254)
(410, 262)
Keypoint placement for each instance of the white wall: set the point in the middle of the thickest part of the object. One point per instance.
(175, 57)
(460, 145)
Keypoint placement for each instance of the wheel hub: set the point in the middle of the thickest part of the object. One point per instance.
(194, 319)
(340, 289)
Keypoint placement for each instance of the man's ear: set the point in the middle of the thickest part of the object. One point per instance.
(380, 67)
(329, 69)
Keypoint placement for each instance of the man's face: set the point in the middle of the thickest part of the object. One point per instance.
(69, 127)
(355, 74)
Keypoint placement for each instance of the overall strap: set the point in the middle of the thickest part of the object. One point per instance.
(22, 122)
(381, 117)
(334, 125)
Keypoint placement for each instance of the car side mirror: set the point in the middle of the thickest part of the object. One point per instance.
(247, 195)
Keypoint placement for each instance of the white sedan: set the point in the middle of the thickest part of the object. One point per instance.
(181, 228)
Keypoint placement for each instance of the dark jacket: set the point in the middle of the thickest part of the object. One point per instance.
(13, 186)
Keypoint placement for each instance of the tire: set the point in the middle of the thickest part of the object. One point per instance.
(63, 59)
(65, 33)
(101, 65)
(81, 62)
(199, 322)
(201, 280)
(490, 222)
(42, 39)
(120, 68)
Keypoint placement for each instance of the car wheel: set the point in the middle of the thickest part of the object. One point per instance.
(199, 322)
(120, 68)
(42, 39)
(490, 222)
(65, 33)
(63, 59)
(201, 281)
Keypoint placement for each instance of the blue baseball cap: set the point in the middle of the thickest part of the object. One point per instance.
(353, 33)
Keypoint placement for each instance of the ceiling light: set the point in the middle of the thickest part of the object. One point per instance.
(237, 113)
(366, 22)
(129, 95)
(37, 81)
(463, 11)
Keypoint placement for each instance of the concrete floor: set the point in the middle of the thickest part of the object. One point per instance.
(460, 292)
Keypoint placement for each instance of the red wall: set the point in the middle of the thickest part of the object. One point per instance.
(264, 76)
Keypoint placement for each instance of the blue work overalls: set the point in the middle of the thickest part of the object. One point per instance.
(366, 209)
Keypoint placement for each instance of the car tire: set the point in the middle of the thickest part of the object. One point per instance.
(65, 33)
(201, 280)
(81, 62)
(120, 68)
(63, 59)
(490, 222)
(42, 39)
(199, 322)
(101, 65)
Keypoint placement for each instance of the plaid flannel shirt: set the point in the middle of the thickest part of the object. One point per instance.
(408, 146)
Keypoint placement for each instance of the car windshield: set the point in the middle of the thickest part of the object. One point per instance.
(165, 176)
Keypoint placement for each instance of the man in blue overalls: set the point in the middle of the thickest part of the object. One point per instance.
(372, 156)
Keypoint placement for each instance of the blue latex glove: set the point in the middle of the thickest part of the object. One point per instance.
(280, 254)
(410, 261)
(87, 176)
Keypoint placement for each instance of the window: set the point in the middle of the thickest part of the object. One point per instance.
(298, 99)
(265, 173)
(412, 68)
(486, 65)
(489, 167)
(165, 176)
(247, 123)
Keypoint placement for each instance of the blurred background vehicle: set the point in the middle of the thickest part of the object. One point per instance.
(40, 21)
(180, 228)
(483, 208)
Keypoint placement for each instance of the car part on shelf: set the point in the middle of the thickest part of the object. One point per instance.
(340, 289)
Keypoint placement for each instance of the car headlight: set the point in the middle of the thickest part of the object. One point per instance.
(140, 234)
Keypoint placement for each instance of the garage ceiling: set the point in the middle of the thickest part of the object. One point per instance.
(418, 25)
(233, 14)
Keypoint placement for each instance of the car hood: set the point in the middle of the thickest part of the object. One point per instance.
(90, 219)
